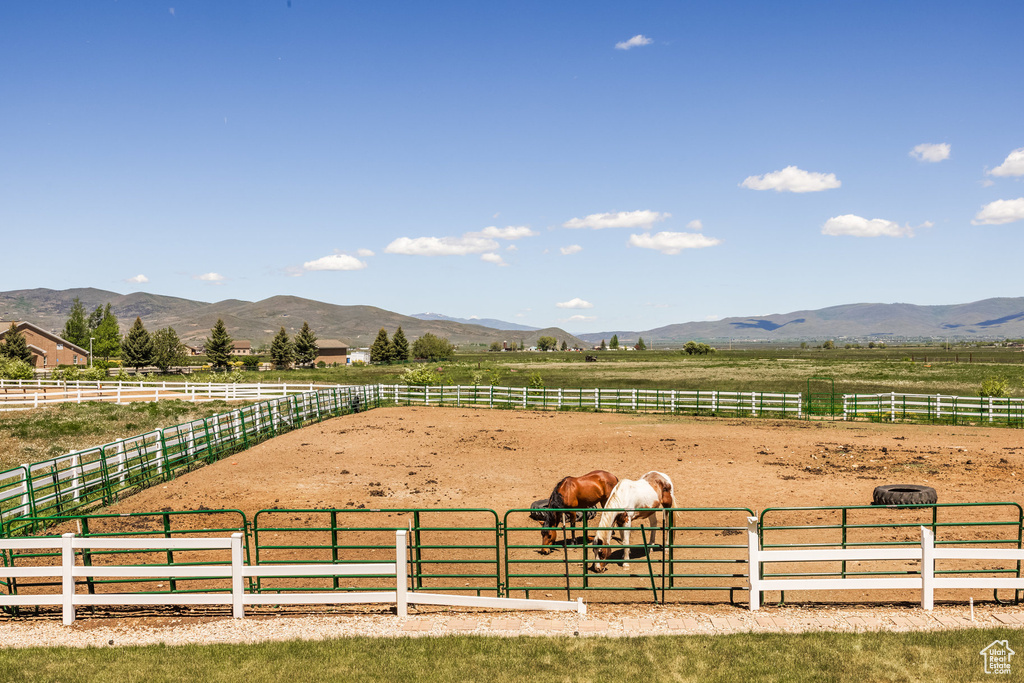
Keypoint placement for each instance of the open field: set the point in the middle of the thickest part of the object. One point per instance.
(933, 657)
(956, 372)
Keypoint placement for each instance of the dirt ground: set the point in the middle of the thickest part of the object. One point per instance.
(392, 458)
(450, 457)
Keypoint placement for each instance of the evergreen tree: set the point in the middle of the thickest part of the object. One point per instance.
(380, 351)
(95, 318)
(615, 341)
(108, 335)
(306, 348)
(219, 345)
(168, 350)
(400, 346)
(282, 352)
(137, 346)
(564, 345)
(603, 347)
(76, 329)
(15, 346)
(640, 346)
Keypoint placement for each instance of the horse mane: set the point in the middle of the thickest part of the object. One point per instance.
(664, 483)
(555, 500)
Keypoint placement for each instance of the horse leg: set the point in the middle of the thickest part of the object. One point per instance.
(625, 542)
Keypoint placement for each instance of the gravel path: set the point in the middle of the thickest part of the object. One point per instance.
(602, 620)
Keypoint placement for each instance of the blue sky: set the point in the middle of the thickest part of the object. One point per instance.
(593, 166)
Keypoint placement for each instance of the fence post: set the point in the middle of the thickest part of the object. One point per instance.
(753, 564)
(27, 508)
(401, 573)
(76, 464)
(237, 583)
(67, 583)
(927, 568)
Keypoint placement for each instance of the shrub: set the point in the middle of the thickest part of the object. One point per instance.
(422, 375)
(996, 387)
(15, 368)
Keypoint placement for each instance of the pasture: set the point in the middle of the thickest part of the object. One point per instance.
(926, 370)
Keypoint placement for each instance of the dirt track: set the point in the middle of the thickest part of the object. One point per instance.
(447, 457)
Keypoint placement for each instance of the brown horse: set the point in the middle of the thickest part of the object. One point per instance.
(587, 491)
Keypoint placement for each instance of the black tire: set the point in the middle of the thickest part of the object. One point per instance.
(904, 494)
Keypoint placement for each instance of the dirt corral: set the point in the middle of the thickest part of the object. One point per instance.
(447, 457)
(375, 463)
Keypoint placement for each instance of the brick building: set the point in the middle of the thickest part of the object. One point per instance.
(48, 349)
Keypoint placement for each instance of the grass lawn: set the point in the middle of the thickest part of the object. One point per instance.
(918, 656)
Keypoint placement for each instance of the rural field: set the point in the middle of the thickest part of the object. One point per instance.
(959, 371)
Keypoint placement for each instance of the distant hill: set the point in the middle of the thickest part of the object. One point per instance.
(990, 319)
(256, 321)
(486, 322)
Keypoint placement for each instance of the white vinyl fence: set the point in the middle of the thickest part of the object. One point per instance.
(235, 570)
(893, 406)
(923, 578)
(16, 394)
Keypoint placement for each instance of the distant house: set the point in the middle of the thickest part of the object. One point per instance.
(242, 347)
(362, 356)
(48, 349)
(332, 351)
(193, 350)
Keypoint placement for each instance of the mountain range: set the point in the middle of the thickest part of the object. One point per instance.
(357, 326)
(256, 321)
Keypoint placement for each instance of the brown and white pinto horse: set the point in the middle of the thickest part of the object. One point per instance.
(641, 500)
(588, 491)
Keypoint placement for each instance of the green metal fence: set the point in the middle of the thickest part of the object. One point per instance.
(97, 476)
(994, 524)
(450, 549)
(174, 524)
(701, 549)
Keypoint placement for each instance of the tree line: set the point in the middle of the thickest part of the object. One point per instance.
(429, 347)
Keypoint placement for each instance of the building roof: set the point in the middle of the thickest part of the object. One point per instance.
(24, 325)
(242, 344)
(331, 344)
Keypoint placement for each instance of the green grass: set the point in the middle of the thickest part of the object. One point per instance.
(918, 656)
(31, 436)
(769, 370)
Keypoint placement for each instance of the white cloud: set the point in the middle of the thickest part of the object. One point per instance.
(1012, 165)
(138, 279)
(335, 262)
(441, 246)
(571, 249)
(215, 278)
(363, 253)
(1000, 211)
(512, 232)
(792, 179)
(931, 152)
(622, 219)
(575, 303)
(639, 40)
(493, 258)
(672, 242)
(855, 226)
(470, 243)
(580, 318)
(986, 182)
(695, 225)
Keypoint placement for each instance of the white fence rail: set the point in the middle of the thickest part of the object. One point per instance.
(28, 394)
(923, 578)
(235, 570)
(751, 403)
(894, 406)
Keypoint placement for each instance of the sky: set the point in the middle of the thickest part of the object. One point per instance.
(587, 165)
